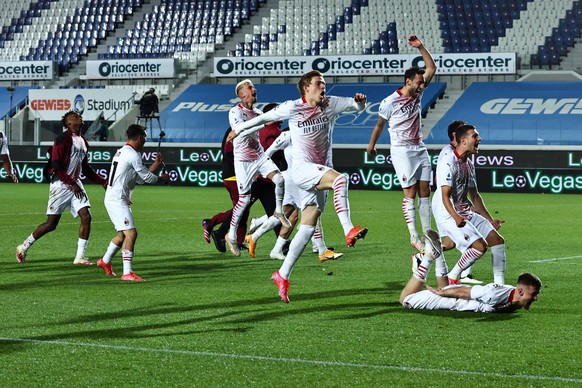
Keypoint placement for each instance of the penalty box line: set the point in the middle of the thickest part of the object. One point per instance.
(555, 259)
(294, 360)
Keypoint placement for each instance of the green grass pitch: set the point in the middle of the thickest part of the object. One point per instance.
(208, 319)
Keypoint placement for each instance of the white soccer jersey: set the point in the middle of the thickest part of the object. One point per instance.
(78, 153)
(246, 148)
(498, 296)
(282, 142)
(403, 115)
(311, 128)
(460, 176)
(3, 144)
(486, 299)
(127, 170)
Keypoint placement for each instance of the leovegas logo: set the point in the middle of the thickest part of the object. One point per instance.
(51, 104)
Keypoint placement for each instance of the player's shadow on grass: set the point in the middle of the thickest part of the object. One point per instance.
(483, 317)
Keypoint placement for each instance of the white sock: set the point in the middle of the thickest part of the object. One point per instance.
(424, 213)
(410, 216)
(296, 249)
(112, 249)
(467, 272)
(127, 257)
(81, 246)
(498, 263)
(271, 223)
(261, 220)
(237, 212)
(467, 259)
(341, 202)
(423, 268)
(28, 242)
(317, 239)
(440, 268)
(279, 182)
(279, 244)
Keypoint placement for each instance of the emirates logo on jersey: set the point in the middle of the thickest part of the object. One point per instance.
(126, 221)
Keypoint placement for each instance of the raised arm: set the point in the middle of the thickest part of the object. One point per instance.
(430, 69)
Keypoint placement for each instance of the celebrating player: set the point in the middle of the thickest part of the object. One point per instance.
(487, 299)
(6, 161)
(68, 159)
(311, 121)
(466, 222)
(249, 161)
(127, 170)
(402, 111)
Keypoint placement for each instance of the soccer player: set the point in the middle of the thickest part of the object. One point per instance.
(465, 222)
(402, 111)
(489, 298)
(6, 161)
(262, 190)
(249, 161)
(68, 159)
(127, 170)
(311, 121)
(291, 202)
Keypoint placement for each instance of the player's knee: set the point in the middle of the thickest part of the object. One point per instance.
(495, 238)
(480, 245)
(278, 179)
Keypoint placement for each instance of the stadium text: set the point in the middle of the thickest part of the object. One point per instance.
(537, 180)
(534, 106)
(117, 69)
(54, 104)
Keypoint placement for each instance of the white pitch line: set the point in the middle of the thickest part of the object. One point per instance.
(298, 361)
(555, 259)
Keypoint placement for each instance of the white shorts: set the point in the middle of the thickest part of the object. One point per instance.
(411, 164)
(475, 228)
(306, 176)
(120, 214)
(291, 196)
(426, 300)
(62, 197)
(246, 172)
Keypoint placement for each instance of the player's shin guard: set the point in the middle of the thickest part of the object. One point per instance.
(112, 249)
(127, 257)
(317, 239)
(424, 213)
(440, 268)
(409, 213)
(279, 182)
(341, 203)
(296, 248)
(467, 259)
(498, 263)
(423, 268)
(237, 212)
(271, 223)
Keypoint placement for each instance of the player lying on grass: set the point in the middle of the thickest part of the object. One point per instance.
(487, 299)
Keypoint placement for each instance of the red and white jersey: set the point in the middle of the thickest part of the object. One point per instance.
(78, 153)
(311, 128)
(127, 170)
(3, 144)
(460, 176)
(403, 115)
(246, 148)
(282, 142)
(496, 296)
